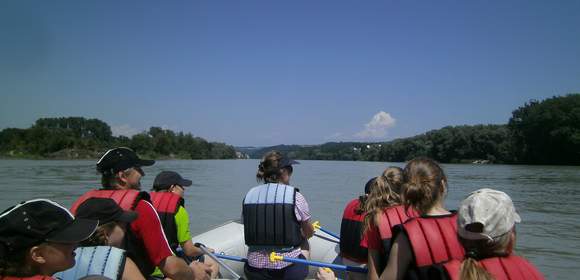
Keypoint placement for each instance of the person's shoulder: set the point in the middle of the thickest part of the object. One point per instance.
(145, 208)
(301, 197)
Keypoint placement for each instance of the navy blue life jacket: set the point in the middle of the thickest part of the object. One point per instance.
(269, 218)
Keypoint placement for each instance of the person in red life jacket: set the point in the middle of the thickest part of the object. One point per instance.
(430, 239)
(113, 223)
(486, 228)
(385, 212)
(350, 228)
(145, 241)
(167, 197)
(38, 238)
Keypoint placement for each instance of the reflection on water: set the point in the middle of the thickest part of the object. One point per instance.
(547, 198)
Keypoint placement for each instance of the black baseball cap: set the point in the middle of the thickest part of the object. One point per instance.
(166, 179)
(118, 159)
(40, 220)
(369, 185)
(105, 210)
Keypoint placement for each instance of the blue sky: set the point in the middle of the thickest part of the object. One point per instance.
(284, 72)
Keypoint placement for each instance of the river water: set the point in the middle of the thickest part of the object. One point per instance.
(547, 197)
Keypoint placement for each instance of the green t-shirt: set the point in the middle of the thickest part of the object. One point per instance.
(182, 222)
(183, 234)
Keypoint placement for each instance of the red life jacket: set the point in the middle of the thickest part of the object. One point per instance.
(389, 218)
(167, 204)
(126, 199)
(133, 244)
(501, 268)
(350, 233)
(36, 277)
(433, 240)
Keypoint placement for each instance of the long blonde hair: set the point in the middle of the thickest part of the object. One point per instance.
(382, 195)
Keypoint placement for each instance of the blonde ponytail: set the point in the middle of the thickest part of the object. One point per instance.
(471, 270)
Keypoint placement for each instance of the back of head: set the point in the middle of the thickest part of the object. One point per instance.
(381, 196)
(485, 226)
(269, 167)
(394, 176)
(424, 184)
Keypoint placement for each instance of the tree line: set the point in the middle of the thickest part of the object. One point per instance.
(538, 132)
(78, 137)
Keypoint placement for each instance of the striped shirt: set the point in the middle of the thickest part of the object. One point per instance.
(261, 259)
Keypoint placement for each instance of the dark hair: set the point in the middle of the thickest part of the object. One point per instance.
(99, 237)
(14, 264)
(269, 169)
(424, 184)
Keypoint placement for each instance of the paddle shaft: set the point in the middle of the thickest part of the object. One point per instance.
(294, 260)
(330, 233)
(220, 262)
(329, 265)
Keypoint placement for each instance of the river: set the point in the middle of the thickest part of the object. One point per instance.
(547, 197)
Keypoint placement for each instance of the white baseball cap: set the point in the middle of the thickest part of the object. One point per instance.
(494, 210)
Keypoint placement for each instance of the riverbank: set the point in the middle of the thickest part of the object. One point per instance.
(80, 154)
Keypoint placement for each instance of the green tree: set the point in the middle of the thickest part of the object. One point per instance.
(548, 131)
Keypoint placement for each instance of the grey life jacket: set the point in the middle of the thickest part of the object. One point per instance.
(104, 261)
(269, 218)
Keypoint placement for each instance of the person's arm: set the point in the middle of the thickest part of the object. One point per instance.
(148, 227)
(307, 229)
(131, 271)
(375, 249)
(302, 212)
(190, 250)
(183, 234)
(325, 274)
(175, 268)
(399, 259)
(374, 259)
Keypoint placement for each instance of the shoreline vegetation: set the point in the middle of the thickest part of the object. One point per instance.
(539, 132)
(81, 138)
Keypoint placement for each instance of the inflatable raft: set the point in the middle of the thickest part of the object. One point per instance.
(229, 240)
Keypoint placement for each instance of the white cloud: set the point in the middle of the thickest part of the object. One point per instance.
(377, 127)
(125, 130)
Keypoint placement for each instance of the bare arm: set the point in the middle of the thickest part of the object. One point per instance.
(131, 271)
(307, 229)
(175, 268)
(374, 260)
(190, 250)
(399, 259)
(374, 256)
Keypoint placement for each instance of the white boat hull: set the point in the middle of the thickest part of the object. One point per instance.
(229, 239)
